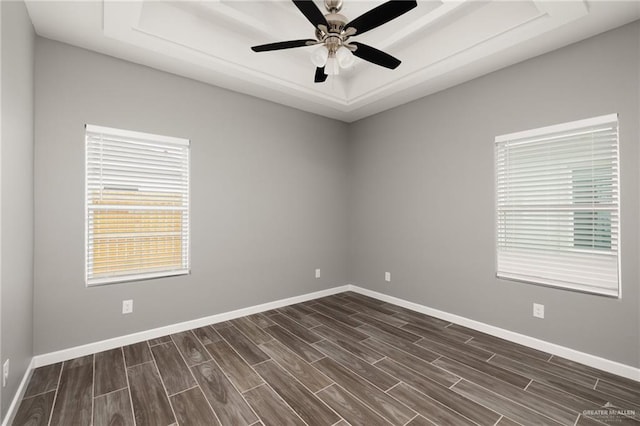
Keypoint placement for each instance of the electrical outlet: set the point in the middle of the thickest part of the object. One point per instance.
(127, 306)
(318, 273)
(387, 277)
(5, 372)
(538, 310)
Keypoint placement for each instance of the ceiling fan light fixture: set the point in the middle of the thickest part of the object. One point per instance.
(332, 67)
(344, 57)
(333, 32)
(319, 56)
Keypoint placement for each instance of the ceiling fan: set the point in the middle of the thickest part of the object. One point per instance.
(333, 33)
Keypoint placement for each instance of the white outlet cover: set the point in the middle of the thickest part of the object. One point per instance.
(538, 310)
(387, 277)
(318, 273)
(127, 306)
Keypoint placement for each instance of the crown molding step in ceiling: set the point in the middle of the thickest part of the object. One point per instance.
(440, 43)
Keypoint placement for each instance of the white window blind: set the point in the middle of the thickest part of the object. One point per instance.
(557, 196)
(137, 205)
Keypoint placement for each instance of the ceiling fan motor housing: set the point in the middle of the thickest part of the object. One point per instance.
(333, 6)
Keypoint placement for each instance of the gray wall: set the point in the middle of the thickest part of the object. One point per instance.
(277, 192)
(422, 194)
(268, 196)
(17, 194)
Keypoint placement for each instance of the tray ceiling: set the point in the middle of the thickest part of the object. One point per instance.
(441, 43)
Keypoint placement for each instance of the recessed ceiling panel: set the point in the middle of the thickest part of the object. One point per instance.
(440, 43)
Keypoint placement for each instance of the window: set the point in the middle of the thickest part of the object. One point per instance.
(137, 205)
(557, 199)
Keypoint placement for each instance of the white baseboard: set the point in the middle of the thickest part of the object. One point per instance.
(15, 402)
(116, 342)
(552, 348)
(542, 345)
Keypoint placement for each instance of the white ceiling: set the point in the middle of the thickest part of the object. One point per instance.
(441, 43)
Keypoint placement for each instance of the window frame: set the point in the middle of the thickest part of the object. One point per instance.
(185, 239)
(547, 131)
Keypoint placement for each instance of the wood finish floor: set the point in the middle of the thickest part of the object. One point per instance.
(340, 360)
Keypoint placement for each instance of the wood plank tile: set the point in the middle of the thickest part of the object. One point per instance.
(534, 367)
(190, 348)
(417, 318)
(550, 409)
(113, 409)
(427, 407)
(593, 395)
(481, 371)
(389, 319)
(192, 409)
(506, 348)
(150, 403)
(563, 398)
(296, 366)
(303, 309)
(419, 421)
(245, 347)
(74, 402)
(271, 409)
(586, 421)
(303, 402)
(388, 328)
(357, 348)
(238, 371)
(505, 421)
(36, 410)
(399, 343)
(443, 332)
(501, 404)
(410, 377)
(450, 347)
(533, 373)
(422, 373)
(159, 340)
(388, 407)
(252, 331)
(207, 335)
(350, 408)
(359, 366)
(335, 314)
(260, 320)
(338, 304)
(356, 304)
(353, 333)
(295, 328)
(630, 395)
(219, 325)
(227, 403)
(173, 370)
(411, 362)
(603, 375)
(304, 319)
(110, 374)
(441, 394)
(299, 347)
(575, 402)
(44, 379)
(137, 353)
(364, 299)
